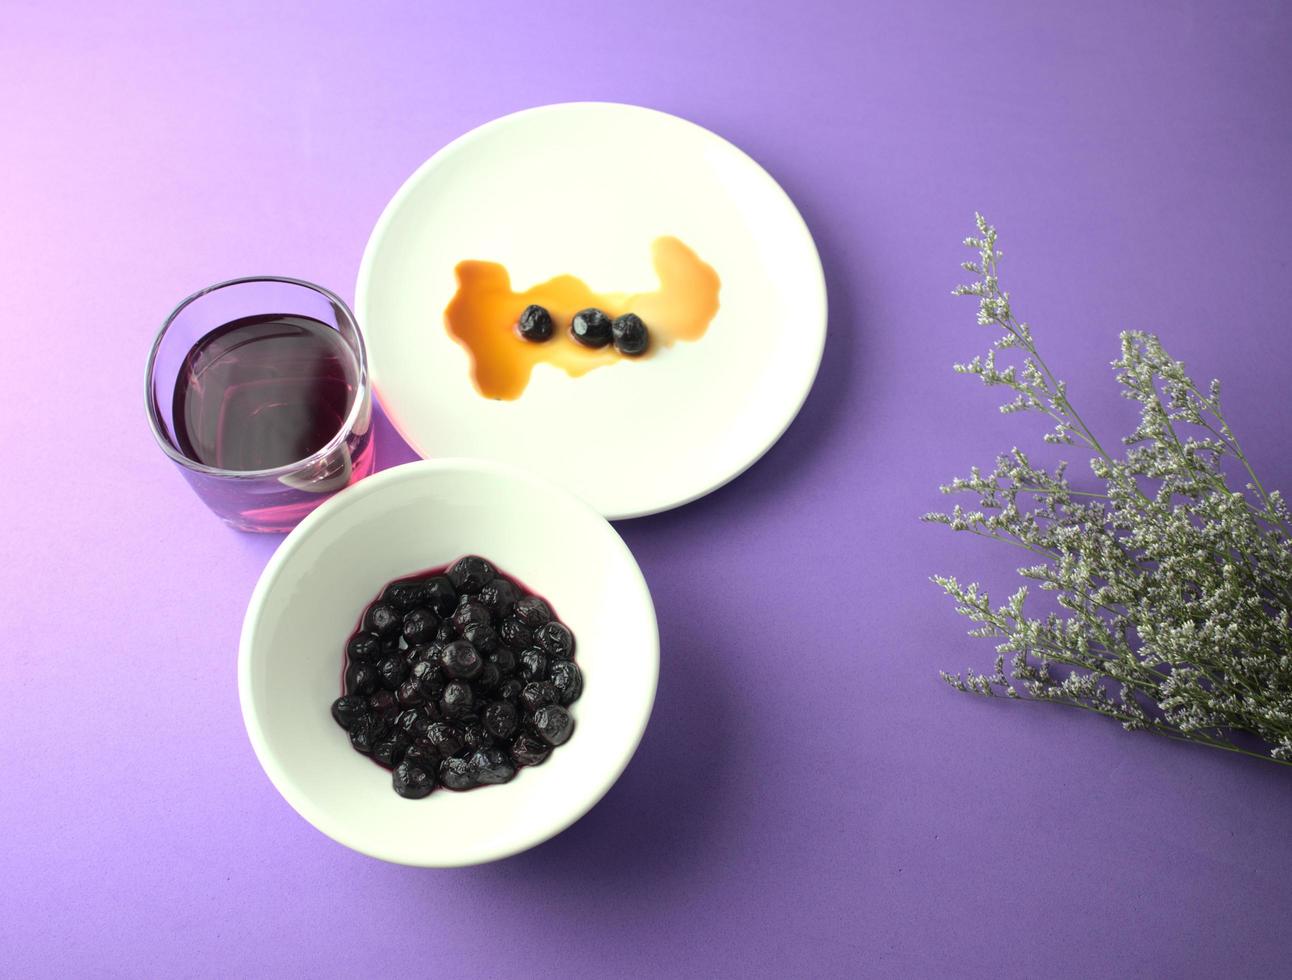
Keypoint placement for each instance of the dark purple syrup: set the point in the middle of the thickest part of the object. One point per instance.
(263, 391)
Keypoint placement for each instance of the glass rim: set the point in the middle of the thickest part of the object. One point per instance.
(287, 469)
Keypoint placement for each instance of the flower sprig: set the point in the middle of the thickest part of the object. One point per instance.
(1172, 591)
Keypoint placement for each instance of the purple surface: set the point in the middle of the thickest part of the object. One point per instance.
(856, 818)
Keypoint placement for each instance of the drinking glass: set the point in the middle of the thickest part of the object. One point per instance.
(273, 499)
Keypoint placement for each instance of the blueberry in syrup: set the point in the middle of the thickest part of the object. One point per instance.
(553, 724)
(363, 646)
(382, 619)
(532, 611)
(419, 625)
(348, 708)
(535, 324)
(457, 677)
(412, 781)
(360, 678)
(591, 327)
(527, 750)
(515, 634)
(500, 596)
(533, 665)
(630, 335)
(555, 640)
(566, 677)
(470, 574)
(457, 701)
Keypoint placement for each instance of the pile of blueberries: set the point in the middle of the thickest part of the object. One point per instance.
(457, 678)
(591, 328)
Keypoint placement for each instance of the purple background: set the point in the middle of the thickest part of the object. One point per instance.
(809, 798)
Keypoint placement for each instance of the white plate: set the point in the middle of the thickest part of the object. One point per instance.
(584, 188)
(399, 521)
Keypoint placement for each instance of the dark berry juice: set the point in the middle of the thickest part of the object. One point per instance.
(263, 391)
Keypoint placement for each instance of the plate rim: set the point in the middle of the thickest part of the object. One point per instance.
(817, 296)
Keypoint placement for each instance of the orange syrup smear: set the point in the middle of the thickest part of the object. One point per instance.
(483, 312)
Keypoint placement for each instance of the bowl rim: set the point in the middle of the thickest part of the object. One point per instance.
(319, 817)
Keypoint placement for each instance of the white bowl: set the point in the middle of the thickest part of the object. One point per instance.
(400, 521)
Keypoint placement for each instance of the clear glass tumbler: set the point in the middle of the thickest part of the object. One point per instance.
(246, 374)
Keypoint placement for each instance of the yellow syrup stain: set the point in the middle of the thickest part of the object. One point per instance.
(483, 312)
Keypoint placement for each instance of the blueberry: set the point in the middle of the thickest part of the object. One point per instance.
(482, 636)
(411, 781)
(365, 733)
(428, 678)
(630, 335)
(500, 596)
(489, 677)
(500, 719)
(409, 694)
(390, 750)
(505, 659)
(410, 721)
(555, 640)
(591, 327)
(457, 699)
(382, 619)
(422, 756)
(470, 613)
(567, 679)
(391, 645)
(455, 773)
(532, 611)
(470, 574)
(406, 594)
(346, 710)
(509, 690)
(420, 651)
(491, 766)
(446, 632)
(419, 625)
(461, 661)
(474, 735)
(535, 324)
(536, 695)
(533, 665)
(439, 595)
(515, 634)
(363, 647)
(553, 724)
(393, 671)
(361, 678)
(381, 703)
(527, 750)
(442, 737)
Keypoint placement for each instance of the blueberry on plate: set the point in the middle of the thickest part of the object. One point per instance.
(532, 611)
(382, 619)
(411, 781)
(390, 750)
(365, 733)
(363, 647)
(630, 335)
(471, 573)
(536, 695)
(515, 634)
(409, 694)
(489, 677)
(555, 639)
(428, 678)
(409, 721)
(553, 724)
(361, 678)
(461, 661)
(382, 702)
(393, 671)
(424, 756)
(442, 737)
(440, 596)
(419, 625)
(349, 708)
(527, 750)
(591, 327)
(474, 735)
(500, 596)
(509, 690)
(505, 659)
(482, 636)
(535, 324)
(567, 679)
